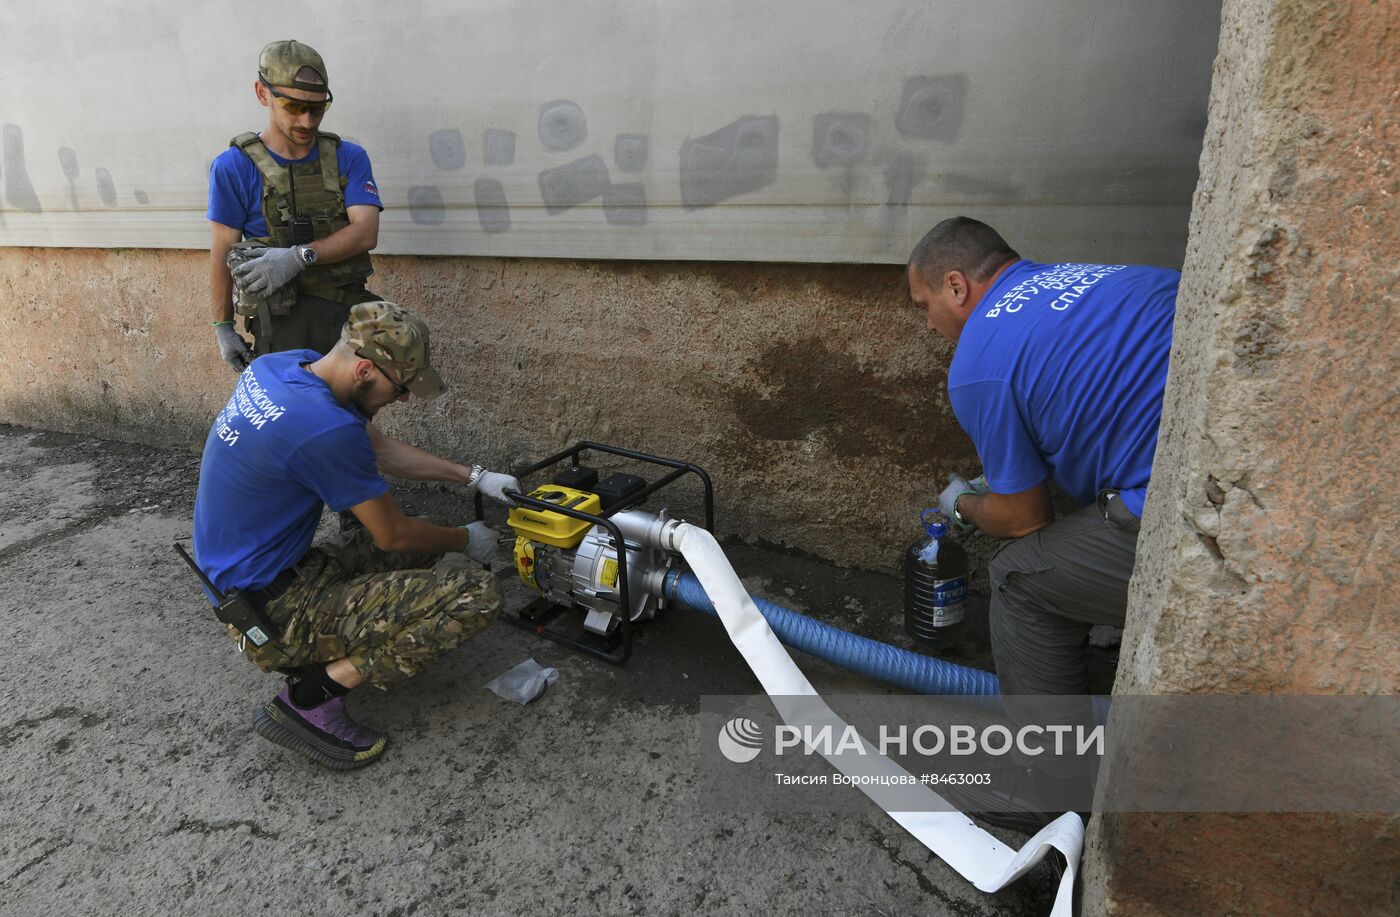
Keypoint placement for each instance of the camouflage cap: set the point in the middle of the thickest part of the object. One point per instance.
(395, 339)
(281, 61)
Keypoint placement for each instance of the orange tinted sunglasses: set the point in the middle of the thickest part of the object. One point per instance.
(298, 106)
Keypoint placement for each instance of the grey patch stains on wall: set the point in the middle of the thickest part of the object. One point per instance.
(932, 107)
(491, 207)
(19, 191)
(68, 162)
(573, 183)
(106, 188)
(840, 138)
(562, 125)
(447, 148)
(736, 159)
(499, 147)
(425, 205)
(142, 197)
(625, 204)
(902, 175)
(630, 152)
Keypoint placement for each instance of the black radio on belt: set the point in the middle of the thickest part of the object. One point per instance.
(235, 608)
(301, 231)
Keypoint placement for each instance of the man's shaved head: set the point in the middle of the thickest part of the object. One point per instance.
(960, 244)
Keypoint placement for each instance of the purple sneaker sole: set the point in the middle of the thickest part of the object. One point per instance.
(279, 723)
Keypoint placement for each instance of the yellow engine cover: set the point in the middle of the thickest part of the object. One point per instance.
(525, 561)
(555, 529)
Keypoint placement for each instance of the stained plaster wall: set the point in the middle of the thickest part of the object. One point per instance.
(813, 395)
(1269, 548)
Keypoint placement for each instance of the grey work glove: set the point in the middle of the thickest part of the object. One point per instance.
(948, 500)
(268, 269)
(233, 348)
(481, 546)
(494, 485)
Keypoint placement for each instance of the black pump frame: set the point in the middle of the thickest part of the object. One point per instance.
(542, 610)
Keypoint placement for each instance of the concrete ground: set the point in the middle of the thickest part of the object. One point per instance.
(133, 783)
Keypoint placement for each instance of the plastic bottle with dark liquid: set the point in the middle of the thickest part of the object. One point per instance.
(935, 585)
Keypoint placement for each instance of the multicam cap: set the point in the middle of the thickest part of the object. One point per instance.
(395, 339)
(281, 61)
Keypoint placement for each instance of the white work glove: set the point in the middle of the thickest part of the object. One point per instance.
(481, 543)
(268, 269)
(494, 485)
(233, 348)
(948, 500)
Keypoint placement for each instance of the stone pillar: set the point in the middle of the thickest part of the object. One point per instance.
(1269, 560)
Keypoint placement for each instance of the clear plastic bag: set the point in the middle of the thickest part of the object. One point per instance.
(524, 683)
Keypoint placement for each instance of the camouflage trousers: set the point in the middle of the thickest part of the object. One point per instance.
(388, 614)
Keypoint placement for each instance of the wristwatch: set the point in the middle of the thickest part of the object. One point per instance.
(477, 472)
(306, 255)
(958, 516)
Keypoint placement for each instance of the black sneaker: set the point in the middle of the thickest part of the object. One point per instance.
(324, 733)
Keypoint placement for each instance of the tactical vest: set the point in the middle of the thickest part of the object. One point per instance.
(315, 190)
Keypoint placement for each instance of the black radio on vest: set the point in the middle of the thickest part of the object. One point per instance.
(302, 232)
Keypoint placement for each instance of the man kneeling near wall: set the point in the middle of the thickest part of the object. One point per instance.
(392, 596)
(1058, 373)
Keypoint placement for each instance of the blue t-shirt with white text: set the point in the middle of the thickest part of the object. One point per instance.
(236, 185)
(1059, 373)
(281, 448)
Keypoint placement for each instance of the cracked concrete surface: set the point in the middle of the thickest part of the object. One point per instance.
(133, 783)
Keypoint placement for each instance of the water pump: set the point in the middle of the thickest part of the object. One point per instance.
(582, 543)
(568, 534)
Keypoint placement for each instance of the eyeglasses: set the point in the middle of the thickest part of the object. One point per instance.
(298, 106)
(398, 386)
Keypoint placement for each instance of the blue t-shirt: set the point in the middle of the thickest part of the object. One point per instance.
(1059, 373)
(235, 186)
(280, 448)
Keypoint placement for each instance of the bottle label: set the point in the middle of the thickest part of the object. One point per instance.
(949, 596)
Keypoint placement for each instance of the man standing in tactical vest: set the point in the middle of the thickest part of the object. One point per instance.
(294, 213)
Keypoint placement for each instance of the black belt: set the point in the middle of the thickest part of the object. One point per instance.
(273, 590)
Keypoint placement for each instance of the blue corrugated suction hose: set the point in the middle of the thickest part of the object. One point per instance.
(890, 664)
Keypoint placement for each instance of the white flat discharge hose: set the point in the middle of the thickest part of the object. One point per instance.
(977, 856)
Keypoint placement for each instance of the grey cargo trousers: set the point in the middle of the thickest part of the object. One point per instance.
(1050, 587)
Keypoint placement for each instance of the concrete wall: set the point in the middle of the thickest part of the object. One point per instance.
(1269, 549)
(813, 395)
(815, 131)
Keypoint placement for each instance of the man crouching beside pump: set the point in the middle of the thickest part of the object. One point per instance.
(1058, 373)
(390, 597)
